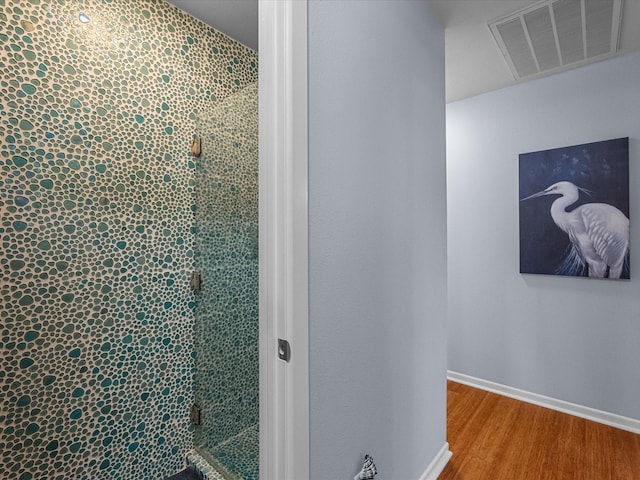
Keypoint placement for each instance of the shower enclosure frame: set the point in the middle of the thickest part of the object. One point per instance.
(283, 243)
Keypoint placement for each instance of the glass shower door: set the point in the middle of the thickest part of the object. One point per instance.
(226, 257)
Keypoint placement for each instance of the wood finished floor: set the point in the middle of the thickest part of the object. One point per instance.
(498, 438)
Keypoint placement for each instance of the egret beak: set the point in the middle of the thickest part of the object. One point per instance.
(535, 195)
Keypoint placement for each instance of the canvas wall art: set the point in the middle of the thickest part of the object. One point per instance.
(574, 210)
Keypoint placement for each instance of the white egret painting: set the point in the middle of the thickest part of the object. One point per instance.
(574, 210)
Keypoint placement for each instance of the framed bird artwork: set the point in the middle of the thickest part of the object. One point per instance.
(574, 210)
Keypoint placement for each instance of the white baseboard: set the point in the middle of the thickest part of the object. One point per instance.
(437, 465)
(611, 419)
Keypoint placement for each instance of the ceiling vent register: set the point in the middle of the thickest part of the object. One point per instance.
(553, 35)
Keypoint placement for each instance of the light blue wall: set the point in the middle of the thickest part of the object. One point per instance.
(573, 339)
(377, 253)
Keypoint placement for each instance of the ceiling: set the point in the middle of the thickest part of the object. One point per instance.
(474, 64)
(235, 18)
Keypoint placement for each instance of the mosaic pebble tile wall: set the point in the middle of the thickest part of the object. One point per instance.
(97, 232)
(226, 339)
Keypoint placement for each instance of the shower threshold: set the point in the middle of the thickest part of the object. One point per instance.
(204, 466)
(235, 459)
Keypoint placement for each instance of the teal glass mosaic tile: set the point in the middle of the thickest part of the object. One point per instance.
(239, 454)
(97, 201)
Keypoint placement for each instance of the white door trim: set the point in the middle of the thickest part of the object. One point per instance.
(283, 212)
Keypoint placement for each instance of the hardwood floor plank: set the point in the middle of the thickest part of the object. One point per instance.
(493, 437)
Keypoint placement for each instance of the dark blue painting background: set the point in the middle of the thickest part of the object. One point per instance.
(601, 167)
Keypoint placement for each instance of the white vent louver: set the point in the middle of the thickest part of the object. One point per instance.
(557, 34)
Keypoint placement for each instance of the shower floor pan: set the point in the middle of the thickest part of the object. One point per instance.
(235, 459)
